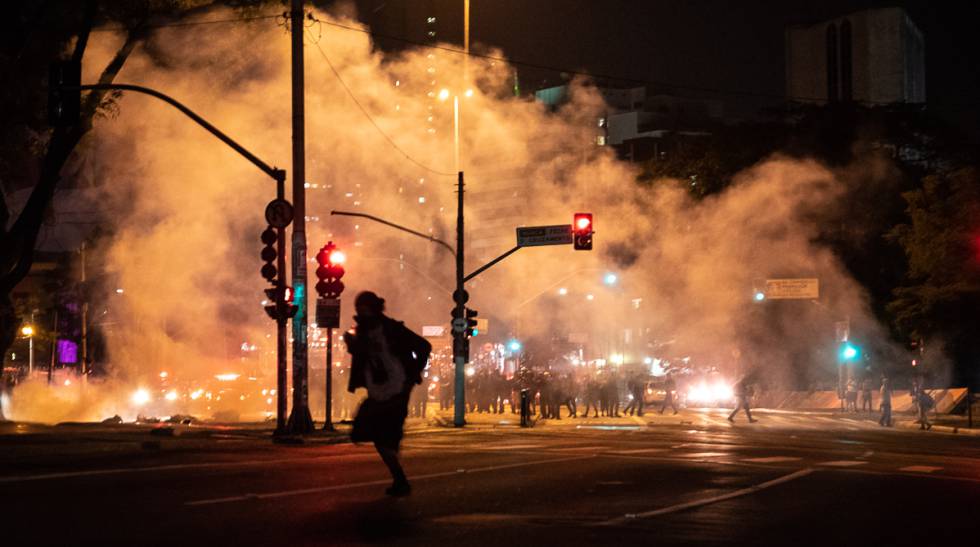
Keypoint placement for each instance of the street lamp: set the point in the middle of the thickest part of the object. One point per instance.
(444, 94)
(610, 279)
(28, 331)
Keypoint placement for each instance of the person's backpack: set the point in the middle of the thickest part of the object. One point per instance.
(926, 400)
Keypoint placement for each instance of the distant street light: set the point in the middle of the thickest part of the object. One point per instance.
(760, 296)
(610, 279)
(28, 331)
(562, 291)
(514, 345)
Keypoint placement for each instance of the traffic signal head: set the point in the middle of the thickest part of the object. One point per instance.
(849, 352)
(582, 231)
(269, 254)
(330, 270)
(471, 322)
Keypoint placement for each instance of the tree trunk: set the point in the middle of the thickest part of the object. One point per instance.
(17, 246)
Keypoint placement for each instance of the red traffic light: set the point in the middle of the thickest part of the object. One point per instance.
(331, 269)
(582, 231)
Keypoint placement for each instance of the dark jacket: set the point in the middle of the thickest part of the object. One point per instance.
(411, 350)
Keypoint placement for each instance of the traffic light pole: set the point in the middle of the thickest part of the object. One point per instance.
(328, 415)
(279, 176)
(300, 421)
(282, 389)
(459, 337)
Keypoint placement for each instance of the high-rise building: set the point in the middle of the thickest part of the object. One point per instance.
(873, 57)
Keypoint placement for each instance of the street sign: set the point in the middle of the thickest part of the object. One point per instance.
(459, 324)
(433, 331)
(328, 313)
(536, 236)
(482, 325)
(279, 213)
(793, 289)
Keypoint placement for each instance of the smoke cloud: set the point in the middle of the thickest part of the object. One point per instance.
(186, 213)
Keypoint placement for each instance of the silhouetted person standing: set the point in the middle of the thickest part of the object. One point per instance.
(885, 398)
(743, 393)
(387, 359)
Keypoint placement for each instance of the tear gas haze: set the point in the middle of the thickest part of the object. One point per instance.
(186, 213)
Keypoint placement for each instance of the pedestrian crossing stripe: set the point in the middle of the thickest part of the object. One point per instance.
(920, 469)
(772, 459)
(842, 463)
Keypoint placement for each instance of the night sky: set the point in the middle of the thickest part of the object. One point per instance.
(734, 48)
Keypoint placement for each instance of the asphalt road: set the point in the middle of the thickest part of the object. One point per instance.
(690, 480)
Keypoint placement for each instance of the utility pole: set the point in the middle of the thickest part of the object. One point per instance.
(84, 359)
(460, 343)
(300, 421)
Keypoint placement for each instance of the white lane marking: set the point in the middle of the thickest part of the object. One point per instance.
(842, 463)
(287, 493)
(698, 503)
(574, 448)
(175, 467)
(866, 455)
(507, 447)
(639, 451)
(703, 455)
(920, 469)
(772, 459)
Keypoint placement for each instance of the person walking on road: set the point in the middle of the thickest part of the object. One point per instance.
(743, 392)
(387, 359)
(885, 400)
(924, 403)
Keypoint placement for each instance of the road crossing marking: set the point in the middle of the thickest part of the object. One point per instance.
(842, 463)
(316, 490)
(920, 468)
(772, 459)
(698, 503)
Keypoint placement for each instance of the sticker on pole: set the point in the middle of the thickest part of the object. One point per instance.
(328, 313)
(536, 236)
(279, 213)
(793, 289)
(459, 324)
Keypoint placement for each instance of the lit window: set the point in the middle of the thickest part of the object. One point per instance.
(600, 140)
(602, 121)
(430, 20)
(431, 33)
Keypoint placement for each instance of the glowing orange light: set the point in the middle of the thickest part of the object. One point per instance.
(338, 257)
